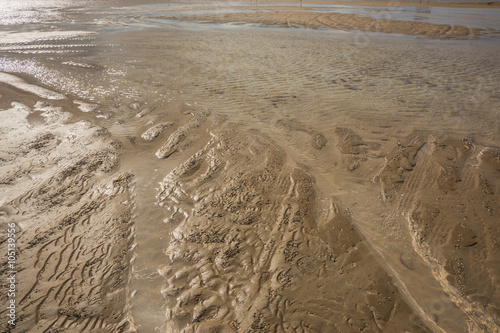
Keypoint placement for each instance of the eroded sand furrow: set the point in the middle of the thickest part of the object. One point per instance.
(178, 137)
(153, 132)
(63, 221)
(276, 252)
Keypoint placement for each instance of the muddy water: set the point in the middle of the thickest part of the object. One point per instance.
(332, 105)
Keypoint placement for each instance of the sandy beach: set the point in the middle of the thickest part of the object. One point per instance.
(250, 167)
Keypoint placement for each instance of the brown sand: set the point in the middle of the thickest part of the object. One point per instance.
(395, 3)
(377, 3)
(265, 219)
(254, 256)
(344, 22)
(59, 184)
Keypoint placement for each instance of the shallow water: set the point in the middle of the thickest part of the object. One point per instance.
(381, 86)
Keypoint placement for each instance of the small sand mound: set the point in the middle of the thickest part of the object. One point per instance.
(243, 220)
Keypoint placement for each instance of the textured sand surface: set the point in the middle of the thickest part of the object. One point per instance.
(72, 210)
(254, 256)
(227, 178)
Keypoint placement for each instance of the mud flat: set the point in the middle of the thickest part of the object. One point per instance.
(59, 185)
(254, 244)
(248, 252)
(442, 187)
(249, 179)
(446, 188)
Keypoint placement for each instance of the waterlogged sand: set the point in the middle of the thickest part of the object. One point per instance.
(242, 179)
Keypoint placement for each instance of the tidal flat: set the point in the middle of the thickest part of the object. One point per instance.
(250, 167)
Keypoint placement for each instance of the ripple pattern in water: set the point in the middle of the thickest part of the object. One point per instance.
(319, 75)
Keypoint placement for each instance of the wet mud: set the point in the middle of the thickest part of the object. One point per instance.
(249, 179)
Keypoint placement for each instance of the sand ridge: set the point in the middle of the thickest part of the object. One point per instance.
(249, 253)
(345, 22)
(388, 4)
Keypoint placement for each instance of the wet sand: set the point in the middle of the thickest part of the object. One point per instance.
(393, 4)
(227, 178)
(344, 22)
(61, 186)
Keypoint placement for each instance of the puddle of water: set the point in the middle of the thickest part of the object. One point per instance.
(36, 118)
